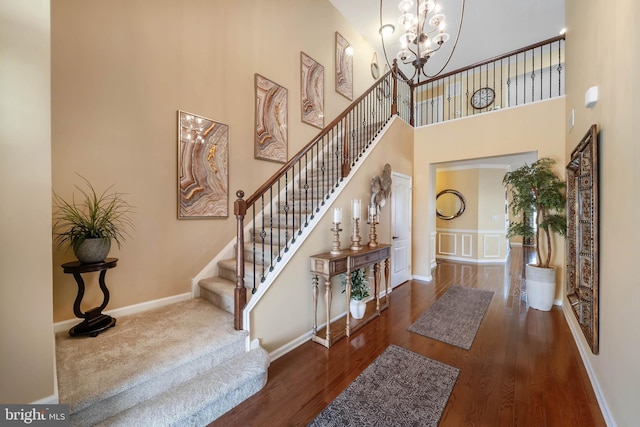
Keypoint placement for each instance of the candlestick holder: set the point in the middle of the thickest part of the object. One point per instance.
(373, 237)
(336, 239)
(355, 239)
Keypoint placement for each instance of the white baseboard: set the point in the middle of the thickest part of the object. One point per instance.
(422, 278)
(474, 260)
(557, 302)
(602, 402)
(49, 400)
(124, 311)
(279, 352)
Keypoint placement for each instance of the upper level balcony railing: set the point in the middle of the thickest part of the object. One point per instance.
(532, 73)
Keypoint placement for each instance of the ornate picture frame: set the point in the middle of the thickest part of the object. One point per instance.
(203, 167)
(311, 91)
(271, 116)
(582, 236)
(344, 67)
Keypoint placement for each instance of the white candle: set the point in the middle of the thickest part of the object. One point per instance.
(357, 208)
(337, 215)
(372, 210)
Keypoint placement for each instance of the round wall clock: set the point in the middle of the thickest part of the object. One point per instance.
(482, 98)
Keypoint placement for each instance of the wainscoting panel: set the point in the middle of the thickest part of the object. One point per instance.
(492, 246)
(467, 245)
(447, 244)
(476, 246)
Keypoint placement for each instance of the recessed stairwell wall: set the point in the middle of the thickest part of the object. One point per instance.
(537, 127)
(120, 72)
(284, 316)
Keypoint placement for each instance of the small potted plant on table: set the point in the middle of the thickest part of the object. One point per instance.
(88, 225)
(359, 291)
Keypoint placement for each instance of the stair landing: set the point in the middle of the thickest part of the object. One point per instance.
(146, 365)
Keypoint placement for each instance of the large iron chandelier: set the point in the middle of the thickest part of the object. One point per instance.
(423, 24)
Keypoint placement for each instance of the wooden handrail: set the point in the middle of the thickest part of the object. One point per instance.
(494, 59)
(280, 172)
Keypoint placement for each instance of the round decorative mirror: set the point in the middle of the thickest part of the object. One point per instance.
(450, 204)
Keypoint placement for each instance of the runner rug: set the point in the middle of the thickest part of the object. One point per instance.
(455, 317)
(400, 388)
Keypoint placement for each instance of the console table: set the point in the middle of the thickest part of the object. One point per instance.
(94, 321)
(326, 265)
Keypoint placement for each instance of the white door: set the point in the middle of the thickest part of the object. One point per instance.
(401, 229)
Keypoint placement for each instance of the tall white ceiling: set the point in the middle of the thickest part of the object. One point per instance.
(489, 27)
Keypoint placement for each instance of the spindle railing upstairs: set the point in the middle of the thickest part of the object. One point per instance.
(288, 202)
(522, 76)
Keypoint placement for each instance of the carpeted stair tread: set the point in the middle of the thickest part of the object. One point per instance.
(219, 291)
(141, 348)
(203, 399)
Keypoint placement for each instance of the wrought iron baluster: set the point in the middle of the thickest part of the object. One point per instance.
(271, 228)
(509, 83)
(286, 211)
(560, 42)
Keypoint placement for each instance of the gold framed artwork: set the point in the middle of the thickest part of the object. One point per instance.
(271, 120)
(203, 167)
(311, 91)
(583, 236)
(344, 67)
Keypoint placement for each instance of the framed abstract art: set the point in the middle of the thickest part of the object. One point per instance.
(311, 91)
(344, 67)
(271, 120)
(203, 167)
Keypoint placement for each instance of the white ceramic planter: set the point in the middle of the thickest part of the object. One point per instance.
(357, 308)
(541, 287)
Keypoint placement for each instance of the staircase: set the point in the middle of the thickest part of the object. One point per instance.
(151, 369)
(275, 228)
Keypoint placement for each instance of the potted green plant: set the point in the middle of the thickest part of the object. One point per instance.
(89, 224)
(359, 291)
(538, 193)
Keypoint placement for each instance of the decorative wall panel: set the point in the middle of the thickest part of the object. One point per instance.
(311, 91)
(203, 167)
(344, 67)
(271, 120)
(582, 236)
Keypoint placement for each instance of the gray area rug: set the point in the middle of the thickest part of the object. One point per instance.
(455, 317)
(400, 388)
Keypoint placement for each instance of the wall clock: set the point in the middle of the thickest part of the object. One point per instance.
(482, 98)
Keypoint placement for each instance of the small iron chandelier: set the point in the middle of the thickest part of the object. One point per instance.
(423, 34)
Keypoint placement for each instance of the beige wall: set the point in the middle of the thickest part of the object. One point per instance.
(535, 127)
(474, 236)
(607, 57)
(276, 323)
(26, 333)
(121, 70)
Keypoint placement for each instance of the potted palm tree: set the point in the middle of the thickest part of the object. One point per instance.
(359, 291)
(90, 223)
(538, 193)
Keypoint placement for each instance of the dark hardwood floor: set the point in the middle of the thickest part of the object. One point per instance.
(523, 368)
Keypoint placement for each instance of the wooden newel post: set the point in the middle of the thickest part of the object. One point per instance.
(394, 100)
(240, 295)
(346, 167)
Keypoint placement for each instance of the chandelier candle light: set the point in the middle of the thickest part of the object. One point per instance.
(337, 219)
(424, 34)
(356, 210)
(373, 220)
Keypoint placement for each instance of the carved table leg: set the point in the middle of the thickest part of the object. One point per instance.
(376, 281)
(314, 282)
(327, 300)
